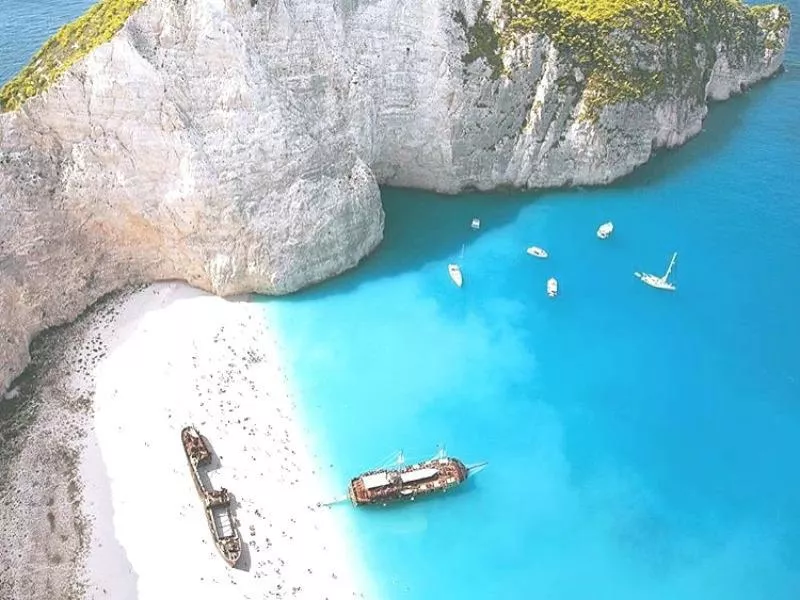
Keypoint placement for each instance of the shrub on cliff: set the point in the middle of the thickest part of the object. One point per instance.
(70, 44)
(631, 49)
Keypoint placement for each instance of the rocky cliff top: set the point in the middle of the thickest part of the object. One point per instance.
(70, 44)
(613, 42)
(238, 144)
(602, 37)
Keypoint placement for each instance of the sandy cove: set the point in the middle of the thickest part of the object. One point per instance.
(175, 356)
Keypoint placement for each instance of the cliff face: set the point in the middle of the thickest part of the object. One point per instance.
(238, 145)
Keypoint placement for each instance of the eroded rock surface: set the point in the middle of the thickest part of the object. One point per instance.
(239, 146)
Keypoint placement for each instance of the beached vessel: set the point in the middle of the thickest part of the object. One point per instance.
(406, 483)
(662, 282)
(537, 252)
(605, 230)
(552, 287)
(216, 503)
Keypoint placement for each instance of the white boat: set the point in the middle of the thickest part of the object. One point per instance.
(455, 274)
(659, 282)
(455, 270)
(537, 252)
(552, 287)
(605, 230)
(476, 223)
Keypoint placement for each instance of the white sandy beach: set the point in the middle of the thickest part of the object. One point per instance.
(176, 357)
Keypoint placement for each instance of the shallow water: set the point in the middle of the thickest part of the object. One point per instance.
(642, 443)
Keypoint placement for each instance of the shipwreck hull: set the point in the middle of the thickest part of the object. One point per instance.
(216, 503)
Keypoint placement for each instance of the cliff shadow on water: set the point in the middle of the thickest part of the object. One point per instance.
(720, 127)
(423, 227)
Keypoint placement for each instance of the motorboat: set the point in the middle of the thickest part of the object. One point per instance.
(537, 252)
(605, 230)
(476, 223)
(455, 274)
(552, 287)
(455, 270)
(662, 282)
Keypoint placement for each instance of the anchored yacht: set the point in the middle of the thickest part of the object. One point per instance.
(455, 274)
(407, 482)
(605, 230)
(537, 252)
(552, 287)
(662, 282)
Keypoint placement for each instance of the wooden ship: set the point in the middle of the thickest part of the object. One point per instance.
(216, 503)
(408, 482)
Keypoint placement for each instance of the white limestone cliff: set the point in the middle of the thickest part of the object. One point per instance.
(239, 147)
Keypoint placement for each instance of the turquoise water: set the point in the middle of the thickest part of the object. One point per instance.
(642, 444)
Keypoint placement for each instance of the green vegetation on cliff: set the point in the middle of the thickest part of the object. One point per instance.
(70, 44)
(631, 49)
(774, 18)
(482, 40)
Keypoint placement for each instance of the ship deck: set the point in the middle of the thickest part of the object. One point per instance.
(217, 503)
(390, 485)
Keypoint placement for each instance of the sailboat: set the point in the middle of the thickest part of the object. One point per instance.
(659, 282)
(455, 271)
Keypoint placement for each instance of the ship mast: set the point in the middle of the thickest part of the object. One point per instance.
(669, 268)
(476, 467)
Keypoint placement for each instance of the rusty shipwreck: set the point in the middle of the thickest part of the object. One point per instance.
(216, 503)
(408, 482)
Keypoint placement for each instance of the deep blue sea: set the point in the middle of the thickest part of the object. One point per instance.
(641, 444)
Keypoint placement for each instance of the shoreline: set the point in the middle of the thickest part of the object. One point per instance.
(45, 420)
(169, 356)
